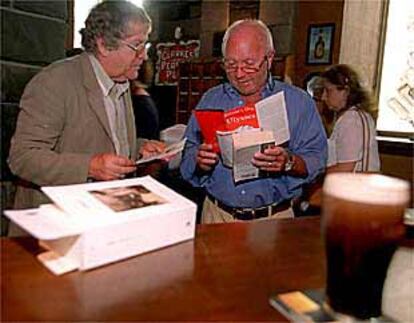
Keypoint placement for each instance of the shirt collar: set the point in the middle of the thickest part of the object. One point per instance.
(105, 82)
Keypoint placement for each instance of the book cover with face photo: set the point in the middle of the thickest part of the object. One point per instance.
(114, 199)
(127, 197)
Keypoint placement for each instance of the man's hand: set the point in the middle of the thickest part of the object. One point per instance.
(206, 158)
(273, 159)
(106, 167)
(151, 148)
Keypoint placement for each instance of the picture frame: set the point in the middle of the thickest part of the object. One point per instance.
(320, 44)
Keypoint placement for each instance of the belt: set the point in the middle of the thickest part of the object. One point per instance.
(246, 214)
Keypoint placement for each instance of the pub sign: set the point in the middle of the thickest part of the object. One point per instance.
(169, 56)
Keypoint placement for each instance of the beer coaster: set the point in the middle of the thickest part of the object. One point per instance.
(299, 302)
(303, 306)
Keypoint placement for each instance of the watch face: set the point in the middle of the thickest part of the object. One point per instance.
(289, 163)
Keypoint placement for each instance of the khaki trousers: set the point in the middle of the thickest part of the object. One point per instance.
(213, 214)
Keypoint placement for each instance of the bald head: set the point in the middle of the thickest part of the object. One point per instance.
(247, 57)
(249, 28)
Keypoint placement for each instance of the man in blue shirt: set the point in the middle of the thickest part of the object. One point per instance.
(248, 53)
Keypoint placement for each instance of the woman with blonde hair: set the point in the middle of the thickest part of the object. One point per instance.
(352, 145)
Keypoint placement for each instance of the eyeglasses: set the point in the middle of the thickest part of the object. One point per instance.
(247, 66)
(138, 49)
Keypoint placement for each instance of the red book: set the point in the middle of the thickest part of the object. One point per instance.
(241, 116)
(212, 120)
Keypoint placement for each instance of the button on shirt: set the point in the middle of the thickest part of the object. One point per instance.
(307, 140)
(115, 106)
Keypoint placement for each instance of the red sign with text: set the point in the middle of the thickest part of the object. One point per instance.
(170, 55)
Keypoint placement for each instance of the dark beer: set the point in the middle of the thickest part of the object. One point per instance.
(362, 223)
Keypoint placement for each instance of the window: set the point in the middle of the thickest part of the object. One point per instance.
(396, 98)
(81, 11)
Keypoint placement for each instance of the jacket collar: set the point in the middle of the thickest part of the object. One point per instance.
(95, 96)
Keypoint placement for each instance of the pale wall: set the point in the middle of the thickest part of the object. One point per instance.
(361, 33)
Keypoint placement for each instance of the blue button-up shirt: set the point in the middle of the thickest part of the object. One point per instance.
(307, 140)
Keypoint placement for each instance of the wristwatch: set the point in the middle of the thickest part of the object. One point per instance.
(290, 162)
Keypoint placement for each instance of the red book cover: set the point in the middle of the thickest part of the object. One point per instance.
(241, 116)
(212, 120)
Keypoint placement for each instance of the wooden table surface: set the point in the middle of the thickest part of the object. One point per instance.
(227, 273)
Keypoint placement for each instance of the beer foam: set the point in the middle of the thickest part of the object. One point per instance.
(367, 188)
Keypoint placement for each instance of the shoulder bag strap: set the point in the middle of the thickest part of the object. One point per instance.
(365, 139)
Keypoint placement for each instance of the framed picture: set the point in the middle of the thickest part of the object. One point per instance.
(320, 44)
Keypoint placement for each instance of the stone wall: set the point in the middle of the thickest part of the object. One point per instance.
(214, 19)
(33, 34)
(281, 18)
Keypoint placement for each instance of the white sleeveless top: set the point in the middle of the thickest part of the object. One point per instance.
(346, 143)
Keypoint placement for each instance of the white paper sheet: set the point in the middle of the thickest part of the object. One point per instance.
(272, 115)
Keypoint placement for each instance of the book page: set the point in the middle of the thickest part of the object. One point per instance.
(243, 169)
(169, 152)
(245, 145)
(272, 115)
(173, 134)
(225, 141)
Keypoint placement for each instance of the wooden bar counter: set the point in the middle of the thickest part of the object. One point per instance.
(227, 273)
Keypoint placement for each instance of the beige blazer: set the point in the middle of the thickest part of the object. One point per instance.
(62, 123)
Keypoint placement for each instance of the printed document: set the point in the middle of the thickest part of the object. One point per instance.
(169, 152)
(272, 115)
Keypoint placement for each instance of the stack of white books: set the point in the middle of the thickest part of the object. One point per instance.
(93, 224)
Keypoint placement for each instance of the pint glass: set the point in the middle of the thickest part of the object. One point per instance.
(362, 223)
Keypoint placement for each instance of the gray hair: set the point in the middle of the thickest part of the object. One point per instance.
(110, 20)
(314, 84)
(251, 22)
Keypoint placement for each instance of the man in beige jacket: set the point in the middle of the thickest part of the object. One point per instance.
(76, 121)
